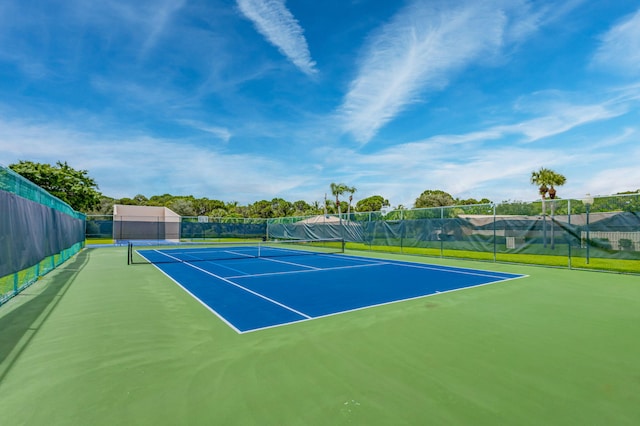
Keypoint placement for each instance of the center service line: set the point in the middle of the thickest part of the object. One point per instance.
(249, 291)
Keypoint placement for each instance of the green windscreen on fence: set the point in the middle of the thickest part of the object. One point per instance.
(131, 228)
(600, 233)
(597, 233)
(37, 233)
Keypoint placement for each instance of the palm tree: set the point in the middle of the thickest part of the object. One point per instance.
(547, 180)
(337, 189)
(540, 178)
(556, 179)
(350, 190)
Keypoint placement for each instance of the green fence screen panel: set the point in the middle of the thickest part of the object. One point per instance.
(38, 232)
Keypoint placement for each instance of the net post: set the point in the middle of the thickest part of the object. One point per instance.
(129, 254)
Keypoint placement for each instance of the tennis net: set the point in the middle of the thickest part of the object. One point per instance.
(222, 250)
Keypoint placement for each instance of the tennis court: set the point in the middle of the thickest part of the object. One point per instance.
(100, 342)
(253, 286)
(308, 333)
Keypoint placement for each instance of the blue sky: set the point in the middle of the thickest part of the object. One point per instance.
(255, 99)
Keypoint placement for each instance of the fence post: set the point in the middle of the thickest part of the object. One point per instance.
(495, 242)
(267, 230)
(402, 228)
(441, 231)
(569, 224)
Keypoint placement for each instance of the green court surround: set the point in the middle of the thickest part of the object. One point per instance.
(97, 342)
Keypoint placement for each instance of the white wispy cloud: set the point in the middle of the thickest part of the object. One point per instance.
(613, 180)
(426, 45)
(403, 172)
(142, 22)
(17, 30)
(495, 161)
(528, 17)
(147, 164)
(159, 20)
(277, 24)
(560, 120)
(219, 132)
(53, 42)
(620, 47)
(551, 114)
(418, 50)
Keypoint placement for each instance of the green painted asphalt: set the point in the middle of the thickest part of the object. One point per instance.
(98, 342)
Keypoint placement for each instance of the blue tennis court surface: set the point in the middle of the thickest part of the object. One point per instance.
(254, 293)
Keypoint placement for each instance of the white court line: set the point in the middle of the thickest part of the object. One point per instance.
(435, 268)
(222, 318)
(249, 291)
(291, 263)
(385, 303)
(488, 274)
(212, 261)
(246, 274)
(406, 264)
(308, 318)
(270, 259)
(335, 268)
(453, 269)
(192, 254)
(235, 253)
(242, 288)
(221, 265)
(252, 256)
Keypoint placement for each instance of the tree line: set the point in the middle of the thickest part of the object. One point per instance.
(81, 192)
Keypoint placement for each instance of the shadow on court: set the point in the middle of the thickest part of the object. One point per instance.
(19, 326)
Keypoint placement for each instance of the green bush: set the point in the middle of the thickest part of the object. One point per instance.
(626, 244)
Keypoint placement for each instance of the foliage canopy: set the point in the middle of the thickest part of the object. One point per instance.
(72, 186)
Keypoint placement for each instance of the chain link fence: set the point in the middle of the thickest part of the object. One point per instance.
(597, 233)
(38, 232)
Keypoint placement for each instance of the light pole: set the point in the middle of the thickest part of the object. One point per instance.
(588, 202)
